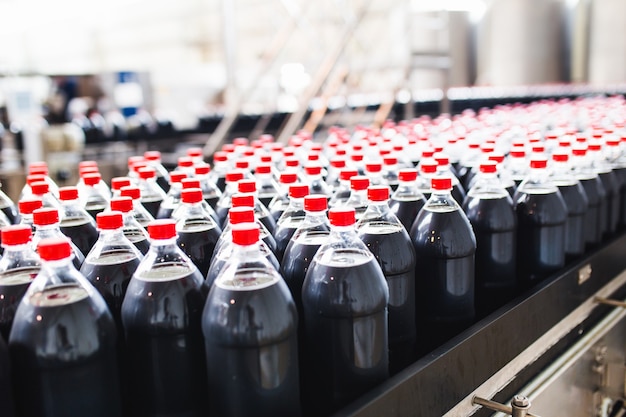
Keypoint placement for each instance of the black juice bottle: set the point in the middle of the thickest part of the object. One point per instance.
(313, 177)
(345, 299)
(247, 186)
(250, 333)
(490, 211)
(76, 223)
(611, 187)
(151, 194)
(576, 201)
(47, 225)
(281, 200)
(161, 314)
(197, 231)
(196, 183)
(162, 176)
(91, 197)
(220, 168)
(541, 219)
(358, 195)
(63, 343)
(445, 169)
(594, 218)
(27, 206)
(387, 239)
(19, 265)
(290, 219)
(132, 229)
(268, 187)
(341, 194)
(210, 190)
(444, 245)
(140, 213)
(223, 204)
(172, 198)
(407, 201)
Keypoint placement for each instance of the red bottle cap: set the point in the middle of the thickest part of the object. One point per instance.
(35, 178)
(220, 156)
(315, 202)
(359, 183)
(539, 163)
(245, 233)
(263, 169)
(594, 147)
(338, 163)
(90, 170)
(185, 162)
(356, 157)
(342, 216)
(191, 195)
(560, 157)
(190, 183)
(407, 175)
(162, 229)
(152, 155)
(373, 167)
(292, 162)
(390, 160)
(241, 141)
(488, 167)
(313, 169)
(298, 190)
(428, 166)
(234, 176)
(242, 200)
(288, 177)
(40, 188)
(428, 153)
(313, 156)
(93, 178)
(579, 151)
(123, 204)
(497, 157)
(441, 183)
(54, 249)
(16, 234)
(288, 152)
(147, 173)
(518, 154)
(68, 193)
(177, 176)
(194, 152)
(118, 182)
(203, 169)
(139, 165)
(28, 205)
(266, 159)
(228, 148)
(442, 160)
(240, 164)
(132, 192)
(241, 215)
(246, 186)
(378, 193)
(38, 170)
(347, 174)
(84, 164)
(132, 160)
(45, 216)
(109, 220)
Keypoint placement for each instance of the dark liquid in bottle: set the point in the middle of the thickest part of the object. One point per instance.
(94, 209)
(163, 183)
(6, 393)
(162, 314)
(284, 232)
(211, 200)
(577, 204)
(406, 210)
(219, 261)
(278, 207)
(137, 238)
(541, 221)
(12, 214)
(391, 246)
(222, 215)
(345, 314)
(268, 221)
(81, 231)
(152, 204)
(620, 173)
(495, 227)
(63, 356)
(220, 182)
(249, 325)
(444, 275)
(266, 199)
(611, 186)
(197, 239)
(13, 286)
(165, 211)
(594, 218)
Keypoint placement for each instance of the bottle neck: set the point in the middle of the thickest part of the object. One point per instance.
(108, 235)
(442, 198)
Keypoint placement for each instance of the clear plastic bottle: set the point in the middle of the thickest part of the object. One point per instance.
(490, 210)
(342, 192)
(151, 194)
(140, 213)
(3, 223)
(133, 231)
(291, 218)
(249, 187)
(9, 208)
(162, 176)
(247, 200)
(344, 293)
(198, 233)
(445, 169)
(116, 185)
(47, 225)
(27, 206)
(196, 154)
(611, 185)
(390, 172)
(111, 263)
(172, 199)
(358, 194)
(100, 185)
(220, 168)
(427, 171)
(195, 183)
(66, 364)
(161, 314)
(313, 178)
(76, 223)
(387, 239)
(595, 218)
(407, 201)
(250, 286)
(41, 191)
(280, 202)
(268, 187)
(223, 204)
(444, 270)
(42, 169)
(186, 165)
(210, 191)
(336, 165)
(91, 197)
(19, 265)
(374, 172)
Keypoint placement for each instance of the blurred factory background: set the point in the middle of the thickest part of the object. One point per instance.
(76, 76)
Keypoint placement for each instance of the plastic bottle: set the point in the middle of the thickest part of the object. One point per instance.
(249, 187)
(220, 168)
(595, 217)
(358, 194)
(444, 269)
(313, 178)
(161, 314)
(133, 231)
(92, 199)
(374, 172)
(140, 213)
(280, 202)
(196, 154)
(151, 194)
(76, 223)
(8, 207)
(576, 201)
(342, 192)
(63, 343)
(111, 263)
(6, 394)
(42, 170)
(427, 171)
(27, 206)
(4, 221)
(210, 191)
(247, 200)
(47, 225)
(223, 204)
(407, 200)
(41, 191)
(541, 219)
(491, 212)
(268, 187)
(116, 185)
(390, 172)
(290, 219)
(172, 199)
(101, 186)
(345, 299)
(185, 164)
(19, 265)
(162, 176)
(336, 165)
(387, 239)
(197, 231)
(195, 183)
(249, 314)
(611, 186)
